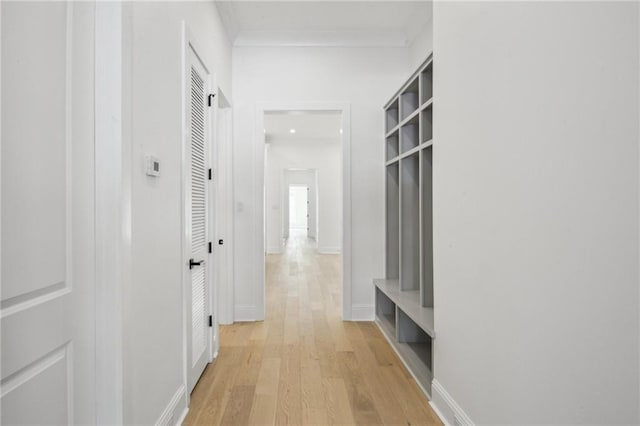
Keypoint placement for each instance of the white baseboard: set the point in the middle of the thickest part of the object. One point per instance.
(182, 416)
(274, 250)
(329, 250)
(438, 413)
(447, 408)
(362, 312)
(175, 410)
(244, 313)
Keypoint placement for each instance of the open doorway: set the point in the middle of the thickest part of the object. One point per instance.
(304, 182)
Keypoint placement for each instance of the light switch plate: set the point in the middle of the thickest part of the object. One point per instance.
(152, 166)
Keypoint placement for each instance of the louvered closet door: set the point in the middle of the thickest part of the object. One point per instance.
(197, 140)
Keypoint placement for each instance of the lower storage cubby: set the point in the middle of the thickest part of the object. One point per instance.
(385, 313)
(414, 344)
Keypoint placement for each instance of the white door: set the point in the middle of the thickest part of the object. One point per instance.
(298, 216)
(311, 209)
(48, 248)
(198, 118)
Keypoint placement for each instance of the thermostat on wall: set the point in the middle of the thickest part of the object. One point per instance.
(152, 166)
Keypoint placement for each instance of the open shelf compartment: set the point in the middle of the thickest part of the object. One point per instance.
(386, 313)
(415, 346)
(393, 222)
(392, 116)
(426, 84)
(426, 226)
(410, 223)
(409, 134)
(409, 99)
(392, 145)
(426, 125)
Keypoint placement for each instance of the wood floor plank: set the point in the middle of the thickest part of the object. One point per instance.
(311, 384)
(362, 404)
(269, 377)
(303, 365)
(416, 409)
(337, 401)
(211, 394)
(250, 365)
(238, 408)
(314, 416)
(263, 410)
(289, 406)
(383, 394)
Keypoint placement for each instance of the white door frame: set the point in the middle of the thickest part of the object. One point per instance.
(223, 182)
(113, 164)
(259, 185)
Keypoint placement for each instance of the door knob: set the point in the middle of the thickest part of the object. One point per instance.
(193, 263)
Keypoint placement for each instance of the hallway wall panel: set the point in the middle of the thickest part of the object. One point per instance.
(153, 332)
(363, 77)
(535, 215)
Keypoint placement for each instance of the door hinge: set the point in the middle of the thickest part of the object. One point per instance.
(210, 174)
(210, 321)
(210, 247)
(210, 99)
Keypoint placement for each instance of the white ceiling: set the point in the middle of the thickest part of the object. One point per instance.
(324, 23)
(310, 127)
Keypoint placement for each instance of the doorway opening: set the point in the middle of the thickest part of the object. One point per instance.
(305, 189)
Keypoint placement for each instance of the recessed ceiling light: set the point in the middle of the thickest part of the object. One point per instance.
(340, 131)
(292, 130)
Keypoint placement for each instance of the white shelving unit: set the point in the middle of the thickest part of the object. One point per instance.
(404, 298)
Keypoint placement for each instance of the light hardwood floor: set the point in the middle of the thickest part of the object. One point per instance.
(303, 364)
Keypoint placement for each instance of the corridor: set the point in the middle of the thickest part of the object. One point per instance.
(303, 364)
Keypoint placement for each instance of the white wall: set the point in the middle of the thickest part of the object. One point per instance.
(326, 160)
(421, 46)
(153, 323)
(535, 168)
(363, 77)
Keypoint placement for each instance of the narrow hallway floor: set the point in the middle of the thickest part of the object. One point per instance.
(303, 364)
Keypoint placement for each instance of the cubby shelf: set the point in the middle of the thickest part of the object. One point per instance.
(409, 302)
(392, 144)
(404, 299)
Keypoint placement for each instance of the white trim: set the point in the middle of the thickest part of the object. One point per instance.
(340, 38)
(183, 142)
(183, 416)
(39, 366)
(168, 416)
(274, 250)
(223, 180)
(329, 250)
(447, 407)
(244, 313)
(113, 205)
(212, 211)
(362, 312)
(258, 185)
(438, 413)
